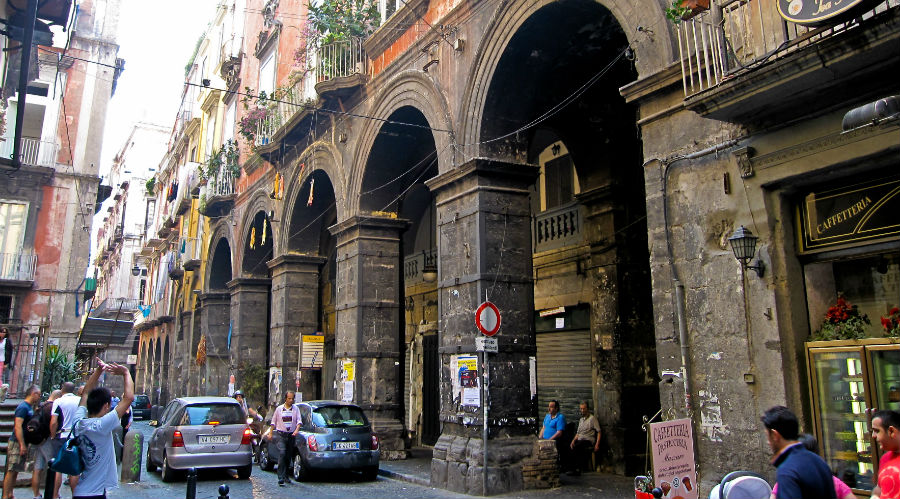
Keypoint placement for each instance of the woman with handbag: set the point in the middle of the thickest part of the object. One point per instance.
(94, 424)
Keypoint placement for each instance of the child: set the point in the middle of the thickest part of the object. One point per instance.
(886, 431)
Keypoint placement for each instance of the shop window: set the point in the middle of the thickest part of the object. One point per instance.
(872, 283)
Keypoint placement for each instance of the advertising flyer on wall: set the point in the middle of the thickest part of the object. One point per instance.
(674, 469)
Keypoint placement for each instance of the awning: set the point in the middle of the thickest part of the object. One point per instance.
(105, 331)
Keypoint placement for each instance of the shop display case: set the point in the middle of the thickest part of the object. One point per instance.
(848, 379)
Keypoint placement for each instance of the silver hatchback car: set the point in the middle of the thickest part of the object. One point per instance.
(200, 432)
(334, 436)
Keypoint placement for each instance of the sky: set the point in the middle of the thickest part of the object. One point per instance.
(156, 39)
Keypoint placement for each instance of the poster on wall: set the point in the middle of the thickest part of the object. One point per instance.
(466, 387)
(275, 384)
(674, 468)
(312, 355)
(348, 374)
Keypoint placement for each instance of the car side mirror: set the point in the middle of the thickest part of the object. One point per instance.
(153, 422)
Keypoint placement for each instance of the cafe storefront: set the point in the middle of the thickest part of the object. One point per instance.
(848, 240)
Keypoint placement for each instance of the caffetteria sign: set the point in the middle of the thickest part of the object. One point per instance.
(819, 12)
(856, 213)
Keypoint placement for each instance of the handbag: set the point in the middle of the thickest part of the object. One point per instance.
(69, 459)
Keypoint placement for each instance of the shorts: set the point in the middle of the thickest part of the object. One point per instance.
(15, 461)
(45, 452)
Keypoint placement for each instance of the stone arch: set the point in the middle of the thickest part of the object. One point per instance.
(409, 88)
(221, 233)
(321, 157)
(260, 203)
(652, 51)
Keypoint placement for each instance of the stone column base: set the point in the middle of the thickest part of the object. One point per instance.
(390, 439)
(457, 464)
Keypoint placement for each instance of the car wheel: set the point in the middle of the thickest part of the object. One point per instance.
(150, 466)
(265, 461)
(301, 473)
(370, 473)
(245, 471)
(166, 473)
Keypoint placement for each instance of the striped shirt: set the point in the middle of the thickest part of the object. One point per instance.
(285, 419)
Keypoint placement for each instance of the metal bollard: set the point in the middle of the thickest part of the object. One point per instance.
(223, 491)
(191, 484)
(50, 481)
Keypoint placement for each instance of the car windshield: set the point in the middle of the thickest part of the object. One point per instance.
(201, 414)
(339, 415)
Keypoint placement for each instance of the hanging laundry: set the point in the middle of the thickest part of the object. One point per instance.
(312, 185)
(302, 167)
(201, 351)
(252, 237)
(275, 186)
(262, 238)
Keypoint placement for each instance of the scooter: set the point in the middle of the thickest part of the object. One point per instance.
(255, 422)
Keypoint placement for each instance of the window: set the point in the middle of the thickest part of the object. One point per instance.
(339, 415)
(6, 311)
(12, 227)
(148, 216)
(558, 181)
(210, 132)
(230, 113)
(203, 414)
(267, 74)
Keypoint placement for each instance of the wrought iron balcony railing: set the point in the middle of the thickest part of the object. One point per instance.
(17, 266)
(414, 266)
(341, 59)
(288, 102)
(714, 47)
(558, 227)
(34, 152)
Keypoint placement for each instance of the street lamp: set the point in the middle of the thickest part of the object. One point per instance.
(135, 271)
(743, 244)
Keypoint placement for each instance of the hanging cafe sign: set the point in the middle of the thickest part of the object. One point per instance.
(819, 12)
(856, 213)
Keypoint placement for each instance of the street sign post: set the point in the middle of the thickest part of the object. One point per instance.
(486, 344)
(487, 319)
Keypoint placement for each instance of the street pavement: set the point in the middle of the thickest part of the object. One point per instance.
(264, 484)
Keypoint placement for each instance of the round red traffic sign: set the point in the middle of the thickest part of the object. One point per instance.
(487, 319)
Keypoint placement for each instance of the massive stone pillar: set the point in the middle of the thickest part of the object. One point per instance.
(484, 249)
(369, 324)
(295, 307)
(140, 372)
(215, 314)
(250, 318)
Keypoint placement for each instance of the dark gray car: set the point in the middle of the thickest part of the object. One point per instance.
(334, 436)
(200, 432)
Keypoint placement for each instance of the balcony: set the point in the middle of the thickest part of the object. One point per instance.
(341, 67)
(416, 265)
(220, 193)
(17, 269)
(738, 59)
(191, 251)
(285, 114)
(558, 227)
(116, 306)
(34, 152)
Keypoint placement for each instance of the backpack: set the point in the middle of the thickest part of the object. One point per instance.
(37, 429)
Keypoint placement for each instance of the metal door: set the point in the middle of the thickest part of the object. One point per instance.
(431, 401)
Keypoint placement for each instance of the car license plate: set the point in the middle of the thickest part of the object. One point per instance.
(346, 446)
(213, 439)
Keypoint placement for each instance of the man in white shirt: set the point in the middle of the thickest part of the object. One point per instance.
(286, 422)
(95, 420)
(61, 421)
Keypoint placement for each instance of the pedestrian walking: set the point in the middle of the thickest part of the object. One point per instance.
(47, 449)
(95, 420)
(286, 423)
(61, 421)
(17, 452)
(586, 441)
(6, 356)
(800, 473)
(840, 488)
(886, 431)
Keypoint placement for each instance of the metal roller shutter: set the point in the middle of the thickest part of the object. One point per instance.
(564, 371)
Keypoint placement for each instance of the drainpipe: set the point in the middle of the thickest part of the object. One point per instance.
(680, 314)
(27, 41)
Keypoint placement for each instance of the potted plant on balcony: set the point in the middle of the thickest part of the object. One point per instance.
(151, 186)
(682, 10)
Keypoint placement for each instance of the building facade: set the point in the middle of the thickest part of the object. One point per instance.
(582, 165)
(51, 193)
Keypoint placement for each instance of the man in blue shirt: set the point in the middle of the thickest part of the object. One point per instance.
(554, 425)
(17, 451)
(801, 474)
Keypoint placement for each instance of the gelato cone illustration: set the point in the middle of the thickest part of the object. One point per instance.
(687, 483)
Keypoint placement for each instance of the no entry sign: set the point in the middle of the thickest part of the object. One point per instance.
(487, 319)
